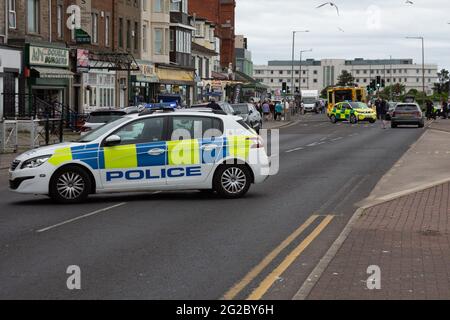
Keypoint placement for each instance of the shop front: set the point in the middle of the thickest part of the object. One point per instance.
(144, 83)
(47, 73)
(10, 69)
(99, 89)
(176, 84)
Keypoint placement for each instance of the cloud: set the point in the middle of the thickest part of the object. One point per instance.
(373, 29)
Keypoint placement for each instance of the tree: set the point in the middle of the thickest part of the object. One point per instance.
(345, 79)
(443, 85)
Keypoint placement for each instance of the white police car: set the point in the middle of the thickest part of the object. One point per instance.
(153, 150)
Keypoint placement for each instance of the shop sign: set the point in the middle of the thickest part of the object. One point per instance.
(82, 37)
(82, 60)
(44, 56)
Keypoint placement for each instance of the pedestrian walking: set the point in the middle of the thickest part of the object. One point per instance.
(444, 109)
(278, 111)
(429, 109)
(378, 108)
(266, 110)
(272, 109)
(383, 112)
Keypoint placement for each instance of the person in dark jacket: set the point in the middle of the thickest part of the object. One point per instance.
(213, 105)
(383, 112)
(429, 109)
(444, 109)
(378, 108)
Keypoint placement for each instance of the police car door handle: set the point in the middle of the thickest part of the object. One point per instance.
(156, 151)
(209, 147)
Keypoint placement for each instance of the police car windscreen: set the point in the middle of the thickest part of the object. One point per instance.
(95, 134)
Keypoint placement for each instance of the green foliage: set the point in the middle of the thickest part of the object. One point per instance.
(345, 79)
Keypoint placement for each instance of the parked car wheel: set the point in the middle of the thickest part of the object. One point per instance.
(353, 119)
(333, 119)
(393, 125)
(71, 184)
(232, 181)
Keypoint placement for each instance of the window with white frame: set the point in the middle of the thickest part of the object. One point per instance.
(33, 14)
(94, 27)
(59, 27)
(12, 14)
(158, 42)
(107, 31)
(198, 29)
(158, 6)
(144, 36)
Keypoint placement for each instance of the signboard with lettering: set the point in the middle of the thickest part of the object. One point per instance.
(82, 37)
(52, 57)
(82, 60)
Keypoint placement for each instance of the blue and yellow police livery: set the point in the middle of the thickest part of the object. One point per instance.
(157, 151)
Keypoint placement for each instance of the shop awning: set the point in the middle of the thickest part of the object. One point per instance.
(175, 76)
(54, 73)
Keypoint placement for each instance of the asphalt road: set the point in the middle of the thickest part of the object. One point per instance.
(188, 245)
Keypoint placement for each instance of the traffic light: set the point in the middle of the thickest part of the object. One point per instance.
(378, 81)
(383, 83)
(284, 87)
(288, 89)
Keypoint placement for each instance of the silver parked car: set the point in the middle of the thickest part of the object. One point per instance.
(407, 114)
(249, 114)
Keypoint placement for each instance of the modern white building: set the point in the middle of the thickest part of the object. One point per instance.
(318, 74)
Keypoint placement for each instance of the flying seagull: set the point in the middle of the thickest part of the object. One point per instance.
(409, 2)
(340, 29)
(331, 4)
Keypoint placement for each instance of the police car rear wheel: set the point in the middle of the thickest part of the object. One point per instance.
(353, 119)
(232, 181)
(70, 185)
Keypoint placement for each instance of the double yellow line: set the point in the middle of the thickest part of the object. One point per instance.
(265, 285)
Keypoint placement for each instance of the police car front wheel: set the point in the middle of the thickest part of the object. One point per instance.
(232, 181)
(70, 184)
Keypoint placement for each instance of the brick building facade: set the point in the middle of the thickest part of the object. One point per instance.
(222, 14)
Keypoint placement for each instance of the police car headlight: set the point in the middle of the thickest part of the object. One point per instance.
(35, 162)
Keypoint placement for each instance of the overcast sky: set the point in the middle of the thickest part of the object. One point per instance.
(372, 29)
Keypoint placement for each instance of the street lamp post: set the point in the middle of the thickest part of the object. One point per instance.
(300, 70)
(293, 52)
(423, 61)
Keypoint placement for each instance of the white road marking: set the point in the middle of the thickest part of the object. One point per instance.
(312, 144)
(336, 139)
(296, 149)
(80, 217)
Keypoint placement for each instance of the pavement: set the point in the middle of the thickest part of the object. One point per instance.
(190, 245)
(401, 229)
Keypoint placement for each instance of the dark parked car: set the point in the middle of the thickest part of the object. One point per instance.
(407, 114)
(226, 107)
(249, 114)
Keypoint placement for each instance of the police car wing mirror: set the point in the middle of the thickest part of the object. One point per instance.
(113, 140)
